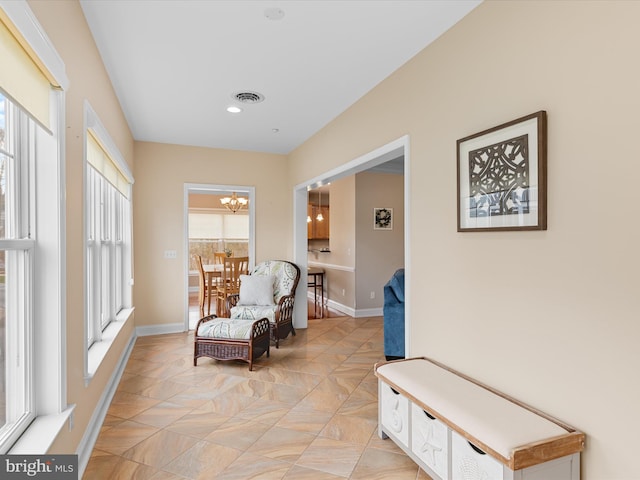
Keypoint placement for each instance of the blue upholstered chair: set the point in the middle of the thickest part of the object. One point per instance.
(393, 311)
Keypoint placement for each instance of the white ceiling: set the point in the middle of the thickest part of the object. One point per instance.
(175, 64)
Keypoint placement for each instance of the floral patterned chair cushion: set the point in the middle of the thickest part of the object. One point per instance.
(280, 315)
(285, 277)
(226, 328)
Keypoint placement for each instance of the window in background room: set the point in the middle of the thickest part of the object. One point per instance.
(212, 230)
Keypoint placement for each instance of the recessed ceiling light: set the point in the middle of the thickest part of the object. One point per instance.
(275, 130)
(234, 109)
(274, 13)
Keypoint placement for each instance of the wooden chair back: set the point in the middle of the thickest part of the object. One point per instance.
(218, 257)
(202, 285)
(230, 280)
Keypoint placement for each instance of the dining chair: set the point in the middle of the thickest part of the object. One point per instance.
(230, 281)
(204, 292)
(218, 257)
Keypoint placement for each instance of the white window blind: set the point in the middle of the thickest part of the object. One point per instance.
(218, 225)
(23, 76)
(100, 160)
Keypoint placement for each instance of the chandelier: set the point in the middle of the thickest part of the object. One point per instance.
(234, 203)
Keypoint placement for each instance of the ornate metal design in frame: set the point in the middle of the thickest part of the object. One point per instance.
(502, 177)
(383, 218)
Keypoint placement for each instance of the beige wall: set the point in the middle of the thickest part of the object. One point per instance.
(161, 172)
(379, 253)
(65, 25)
(549, 317)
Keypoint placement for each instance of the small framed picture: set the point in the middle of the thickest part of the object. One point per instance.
(383, 218)
(502, 177)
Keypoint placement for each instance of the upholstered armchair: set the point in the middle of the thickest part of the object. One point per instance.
(268, 292)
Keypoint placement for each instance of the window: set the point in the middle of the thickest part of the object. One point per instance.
(33, 405)
(16, 265)
(108, 235)
(217, 231)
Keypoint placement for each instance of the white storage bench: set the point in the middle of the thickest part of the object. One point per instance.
(458, 429)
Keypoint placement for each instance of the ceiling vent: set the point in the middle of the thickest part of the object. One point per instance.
(248, 97)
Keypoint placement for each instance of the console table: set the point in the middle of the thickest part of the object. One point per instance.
(455, 428)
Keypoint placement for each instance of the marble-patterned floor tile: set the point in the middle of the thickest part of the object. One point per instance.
(111, 421)
(351, 429)
(162, 414)
(134, 383)
(355, 406)
(204, 460)
(161, 475)
(282, 444)
(249, 466)
(300, 473)
(227, 404)
(305, 366)
(126, 405)
(127, 470)
(331, 456)
(197, 423)
(288, 377)
(160, 448)
(375, 442)
(323, 400)
(333, 359)
(339, 385)
(238, 433)
(163, 389)
(265, 410)
(305, 420)
(381, 465)
(123, 436)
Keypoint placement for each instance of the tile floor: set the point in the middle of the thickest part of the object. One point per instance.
(307, 412)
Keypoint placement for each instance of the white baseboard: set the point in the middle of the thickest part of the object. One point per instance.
(99, 413)
(341, 308)
(353, 312)
(369, 312)
(159, 329)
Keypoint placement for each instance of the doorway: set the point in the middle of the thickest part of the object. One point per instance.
(214, 227)
(393, 150)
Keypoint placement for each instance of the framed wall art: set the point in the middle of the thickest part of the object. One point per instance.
(383, 218)
(502, 177)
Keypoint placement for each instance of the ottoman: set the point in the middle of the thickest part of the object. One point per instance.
(231, 339)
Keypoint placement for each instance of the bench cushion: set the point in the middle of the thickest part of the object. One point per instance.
(498, 422)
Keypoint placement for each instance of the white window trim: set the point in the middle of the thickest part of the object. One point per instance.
(50, 380)
(95, 354)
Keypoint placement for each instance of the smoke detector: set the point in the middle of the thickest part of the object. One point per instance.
(248, 97)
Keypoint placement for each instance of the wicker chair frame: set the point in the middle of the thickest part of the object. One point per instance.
(283, 324)
(246, 350)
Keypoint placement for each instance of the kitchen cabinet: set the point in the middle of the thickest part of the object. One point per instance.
(318, 230)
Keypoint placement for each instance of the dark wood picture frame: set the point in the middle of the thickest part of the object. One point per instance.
(502, 177)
